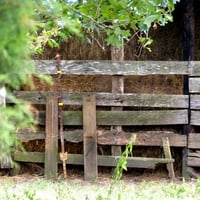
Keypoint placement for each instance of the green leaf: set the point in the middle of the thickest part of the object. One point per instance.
(150, 19)
(148, 42)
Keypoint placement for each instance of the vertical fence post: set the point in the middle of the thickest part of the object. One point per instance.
(117, 54)
(51, 140)
(117, 87)
(90, 138)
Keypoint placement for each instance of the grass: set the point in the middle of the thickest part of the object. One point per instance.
(116, 189)
(42, 189)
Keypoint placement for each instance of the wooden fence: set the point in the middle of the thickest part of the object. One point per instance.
(139, 110)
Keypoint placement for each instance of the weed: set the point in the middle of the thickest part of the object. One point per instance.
(121, 166)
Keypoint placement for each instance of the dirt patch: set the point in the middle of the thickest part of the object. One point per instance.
(75, 175)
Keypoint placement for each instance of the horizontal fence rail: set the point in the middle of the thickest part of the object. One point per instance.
(78, 159)
(109, 99)
(126, 118)
(114, 67)
(143, 138)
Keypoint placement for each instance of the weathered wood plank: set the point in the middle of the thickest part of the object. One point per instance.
(193, 161)
(134, 162)
(51, 139)
(39, 157)
(26, 135)
(195, 102)
(158, 117)
(111, 118)
(194, 141)
(117, 54)
(117, 88)
(194, 68)
(194, 85)
(77, 159)
(194, 154)
(112, 67)
(145, 138)
(110, 99)
(33, 97)
(195, 118)
(90, 138)
(167, 152)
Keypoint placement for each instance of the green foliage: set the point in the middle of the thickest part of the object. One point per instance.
(11, 119)
(122, 162)
(15, 22)
(120, 19)
(55, 23)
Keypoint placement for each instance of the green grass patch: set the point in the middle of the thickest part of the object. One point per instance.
(42, 189)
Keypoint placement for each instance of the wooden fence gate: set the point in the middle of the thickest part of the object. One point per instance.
(96, 112)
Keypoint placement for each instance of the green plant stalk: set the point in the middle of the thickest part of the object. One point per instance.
(121, 165)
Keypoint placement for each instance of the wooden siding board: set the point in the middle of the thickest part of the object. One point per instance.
(194, 85)
(194, 141)
(195, 118)
(193, 161)
(195, 102)
(194, 68)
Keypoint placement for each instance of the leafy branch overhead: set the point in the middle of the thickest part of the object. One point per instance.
(54, 24)
(124, 17)
(118, 19)
(16, 22)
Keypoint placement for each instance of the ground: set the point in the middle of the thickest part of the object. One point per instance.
(31, 172)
